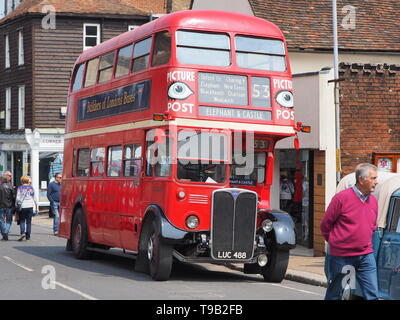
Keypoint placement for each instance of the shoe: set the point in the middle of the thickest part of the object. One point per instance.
(56, 233)
(22, 237)
(6, 236)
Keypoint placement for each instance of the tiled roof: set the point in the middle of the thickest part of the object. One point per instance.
(111, 7)
(307, 24)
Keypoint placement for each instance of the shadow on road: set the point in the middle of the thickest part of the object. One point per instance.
(108, 265)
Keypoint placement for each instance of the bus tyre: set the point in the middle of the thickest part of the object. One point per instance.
(159, 255)
(276, 267)
(80, 236)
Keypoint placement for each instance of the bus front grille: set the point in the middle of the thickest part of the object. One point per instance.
(233, 224)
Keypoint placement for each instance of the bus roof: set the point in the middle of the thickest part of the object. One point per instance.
(212, 20)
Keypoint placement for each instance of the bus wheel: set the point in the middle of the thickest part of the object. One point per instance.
(159, 256)
(276, 267)
(80, 236)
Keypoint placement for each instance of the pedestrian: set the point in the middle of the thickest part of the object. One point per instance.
(6, 207)
(286, 193)
(347, 226)
(53, 194)
(8, 176)
(26, 202)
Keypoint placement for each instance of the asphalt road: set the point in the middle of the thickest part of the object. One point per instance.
(41, 269)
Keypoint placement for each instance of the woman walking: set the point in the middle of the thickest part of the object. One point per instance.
(26, 201)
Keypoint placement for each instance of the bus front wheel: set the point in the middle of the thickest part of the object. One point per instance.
(79, 236)
(159, 255)
(276, 267)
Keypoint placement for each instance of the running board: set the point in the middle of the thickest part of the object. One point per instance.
(124, 254)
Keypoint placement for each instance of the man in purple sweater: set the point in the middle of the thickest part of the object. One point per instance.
(347, 226)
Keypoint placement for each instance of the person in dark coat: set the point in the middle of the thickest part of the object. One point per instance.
(6, 207)
(53, 194)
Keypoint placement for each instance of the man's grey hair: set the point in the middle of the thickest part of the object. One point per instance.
(6, 174)
(362, 170)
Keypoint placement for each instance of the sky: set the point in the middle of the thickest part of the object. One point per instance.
(1, 8)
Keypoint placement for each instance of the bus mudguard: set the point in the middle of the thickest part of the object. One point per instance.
(167, 231)
(283, 226)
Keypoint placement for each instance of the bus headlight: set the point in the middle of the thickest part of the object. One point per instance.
(262, 260)
(267, 225)
(192, 222)
(181, 195)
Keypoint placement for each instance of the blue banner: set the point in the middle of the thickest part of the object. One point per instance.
(135, 97)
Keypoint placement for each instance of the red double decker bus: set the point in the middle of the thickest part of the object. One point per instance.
(170, 131)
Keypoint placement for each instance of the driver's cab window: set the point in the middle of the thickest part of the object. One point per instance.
(158, 153)
(395, 223)
(248, 165)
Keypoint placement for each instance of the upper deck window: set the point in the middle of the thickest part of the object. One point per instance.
(260, 53)
(210, 49)
(123, 61)
(78, 77)
(162, 48)
(141, 54)
(91, 72)
(106, 67)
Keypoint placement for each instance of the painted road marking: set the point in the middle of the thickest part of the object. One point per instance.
(17, 264)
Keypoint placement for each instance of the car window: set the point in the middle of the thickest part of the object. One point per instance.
(394, 224)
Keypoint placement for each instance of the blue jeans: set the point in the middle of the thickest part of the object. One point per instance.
(361, 268)
(5, 216)
(25, 221)
(55, 206)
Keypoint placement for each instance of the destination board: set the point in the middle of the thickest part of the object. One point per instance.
(223, 89)
(236, 113)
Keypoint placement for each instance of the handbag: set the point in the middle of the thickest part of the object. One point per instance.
(18, 207)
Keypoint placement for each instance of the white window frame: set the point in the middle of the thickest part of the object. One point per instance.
(7, 51)
(21, 53)
(97, 25)
(21, 107)
(7, 124)
(132, 27)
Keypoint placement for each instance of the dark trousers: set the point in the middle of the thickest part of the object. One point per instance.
(25, 221)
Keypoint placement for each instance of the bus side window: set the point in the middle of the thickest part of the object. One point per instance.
(114, 164)
(106, 67)
(162, 48)
(78, 77)
(141, 54)
(97, 162)
(83, 163)
(123, 61)
(132, 160)
(91, 72)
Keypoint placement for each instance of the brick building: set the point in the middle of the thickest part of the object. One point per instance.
(39, 43)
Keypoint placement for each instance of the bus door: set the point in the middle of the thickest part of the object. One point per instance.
(131, 194)
(158, 168)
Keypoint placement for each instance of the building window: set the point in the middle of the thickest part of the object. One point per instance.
(21, 107)
(8, 109)
(7, 51)
(387, 162)
(91, 35)
(21, 57)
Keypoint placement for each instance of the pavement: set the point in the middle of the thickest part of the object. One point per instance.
(303, 267)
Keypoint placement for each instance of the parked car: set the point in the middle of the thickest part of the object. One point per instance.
(386, 239)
